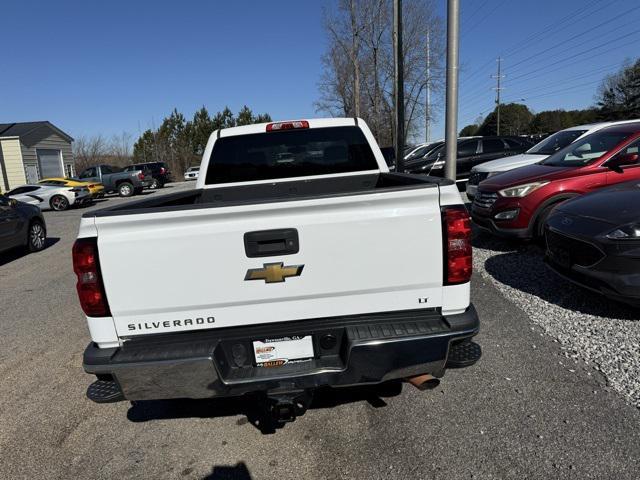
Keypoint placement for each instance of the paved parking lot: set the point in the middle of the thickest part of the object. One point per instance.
(532, 408)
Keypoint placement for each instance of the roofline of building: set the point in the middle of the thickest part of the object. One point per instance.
(43, 123)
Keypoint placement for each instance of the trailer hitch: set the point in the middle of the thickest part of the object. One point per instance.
(284, 407)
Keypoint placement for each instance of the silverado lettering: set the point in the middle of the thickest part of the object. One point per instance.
(170, 323)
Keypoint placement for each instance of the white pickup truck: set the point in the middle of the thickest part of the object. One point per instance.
(309, 265)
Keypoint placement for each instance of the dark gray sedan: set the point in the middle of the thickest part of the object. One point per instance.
(21, 225)
(594, 241)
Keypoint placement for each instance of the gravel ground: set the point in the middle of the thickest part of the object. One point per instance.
(602, 333)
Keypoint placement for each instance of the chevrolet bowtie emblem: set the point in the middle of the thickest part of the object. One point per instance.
(274, 272)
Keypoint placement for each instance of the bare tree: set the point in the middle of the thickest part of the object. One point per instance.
(120, 149)
(93, 150)
(357, 78)
(89, 151)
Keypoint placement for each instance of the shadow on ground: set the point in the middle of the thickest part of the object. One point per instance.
(251, 406)
(16, 253)
(487, 241)
(229, 472)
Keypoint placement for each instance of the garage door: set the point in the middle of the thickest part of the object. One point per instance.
(50, 163)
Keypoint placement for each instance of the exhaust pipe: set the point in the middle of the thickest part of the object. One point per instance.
(424, 382)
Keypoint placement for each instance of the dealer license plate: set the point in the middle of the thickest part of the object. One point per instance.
(275, 352)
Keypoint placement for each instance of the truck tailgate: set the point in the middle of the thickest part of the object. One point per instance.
(188, 269)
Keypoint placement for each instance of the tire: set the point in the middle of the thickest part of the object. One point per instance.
(59, 203)
(125, 189)
(36, 236)
(155, 184)
(538, 233)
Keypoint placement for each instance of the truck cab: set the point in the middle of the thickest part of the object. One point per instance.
(114, 179)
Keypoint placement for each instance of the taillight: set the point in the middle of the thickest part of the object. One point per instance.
(86, 265)
(141, 176)
(162, 171)
(91, 186)
(274, 127)
(456, 226)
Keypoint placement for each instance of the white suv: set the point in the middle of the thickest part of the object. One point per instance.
(535, 154)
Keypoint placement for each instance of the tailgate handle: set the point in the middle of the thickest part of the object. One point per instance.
(267, 243)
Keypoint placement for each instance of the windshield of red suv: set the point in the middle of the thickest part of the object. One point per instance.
(587, 150)
(555, 142)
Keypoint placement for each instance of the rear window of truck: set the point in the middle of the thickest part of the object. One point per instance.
(289, 153)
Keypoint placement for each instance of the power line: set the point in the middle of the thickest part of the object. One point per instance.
(573, 16)
(564, 65)
(587, 51)
(480, 7)
(566, 89)
(581, 75)
(528, 40)
(543, 92)
(482, 19)
(590, 31)
(572, 48)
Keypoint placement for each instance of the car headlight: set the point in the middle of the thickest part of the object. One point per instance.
(628, 232)
(522, 190)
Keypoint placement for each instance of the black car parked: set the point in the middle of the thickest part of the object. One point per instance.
(471, 152)
(594, 241)
(21, 225)
(159, 171)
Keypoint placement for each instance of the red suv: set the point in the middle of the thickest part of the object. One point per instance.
(516, 203)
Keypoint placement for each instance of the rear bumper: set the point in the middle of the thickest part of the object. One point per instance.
(368, 349)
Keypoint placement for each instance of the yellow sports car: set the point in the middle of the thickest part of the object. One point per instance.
(96, 189)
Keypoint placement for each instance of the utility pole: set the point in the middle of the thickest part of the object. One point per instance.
(451, 123)
(427, 105)
(398, 84)
(355, 46)
(498, 89)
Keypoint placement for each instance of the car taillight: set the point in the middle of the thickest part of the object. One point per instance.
(162, 170)
(91, 186)
(456, 249)
(274, 127)
(86, 265)
(141, 176)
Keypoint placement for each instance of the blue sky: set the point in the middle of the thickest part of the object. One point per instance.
(107, 67)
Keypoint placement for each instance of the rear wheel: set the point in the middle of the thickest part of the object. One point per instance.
(59, 203)
(125, 189)
(155, 184)
(37, 235)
